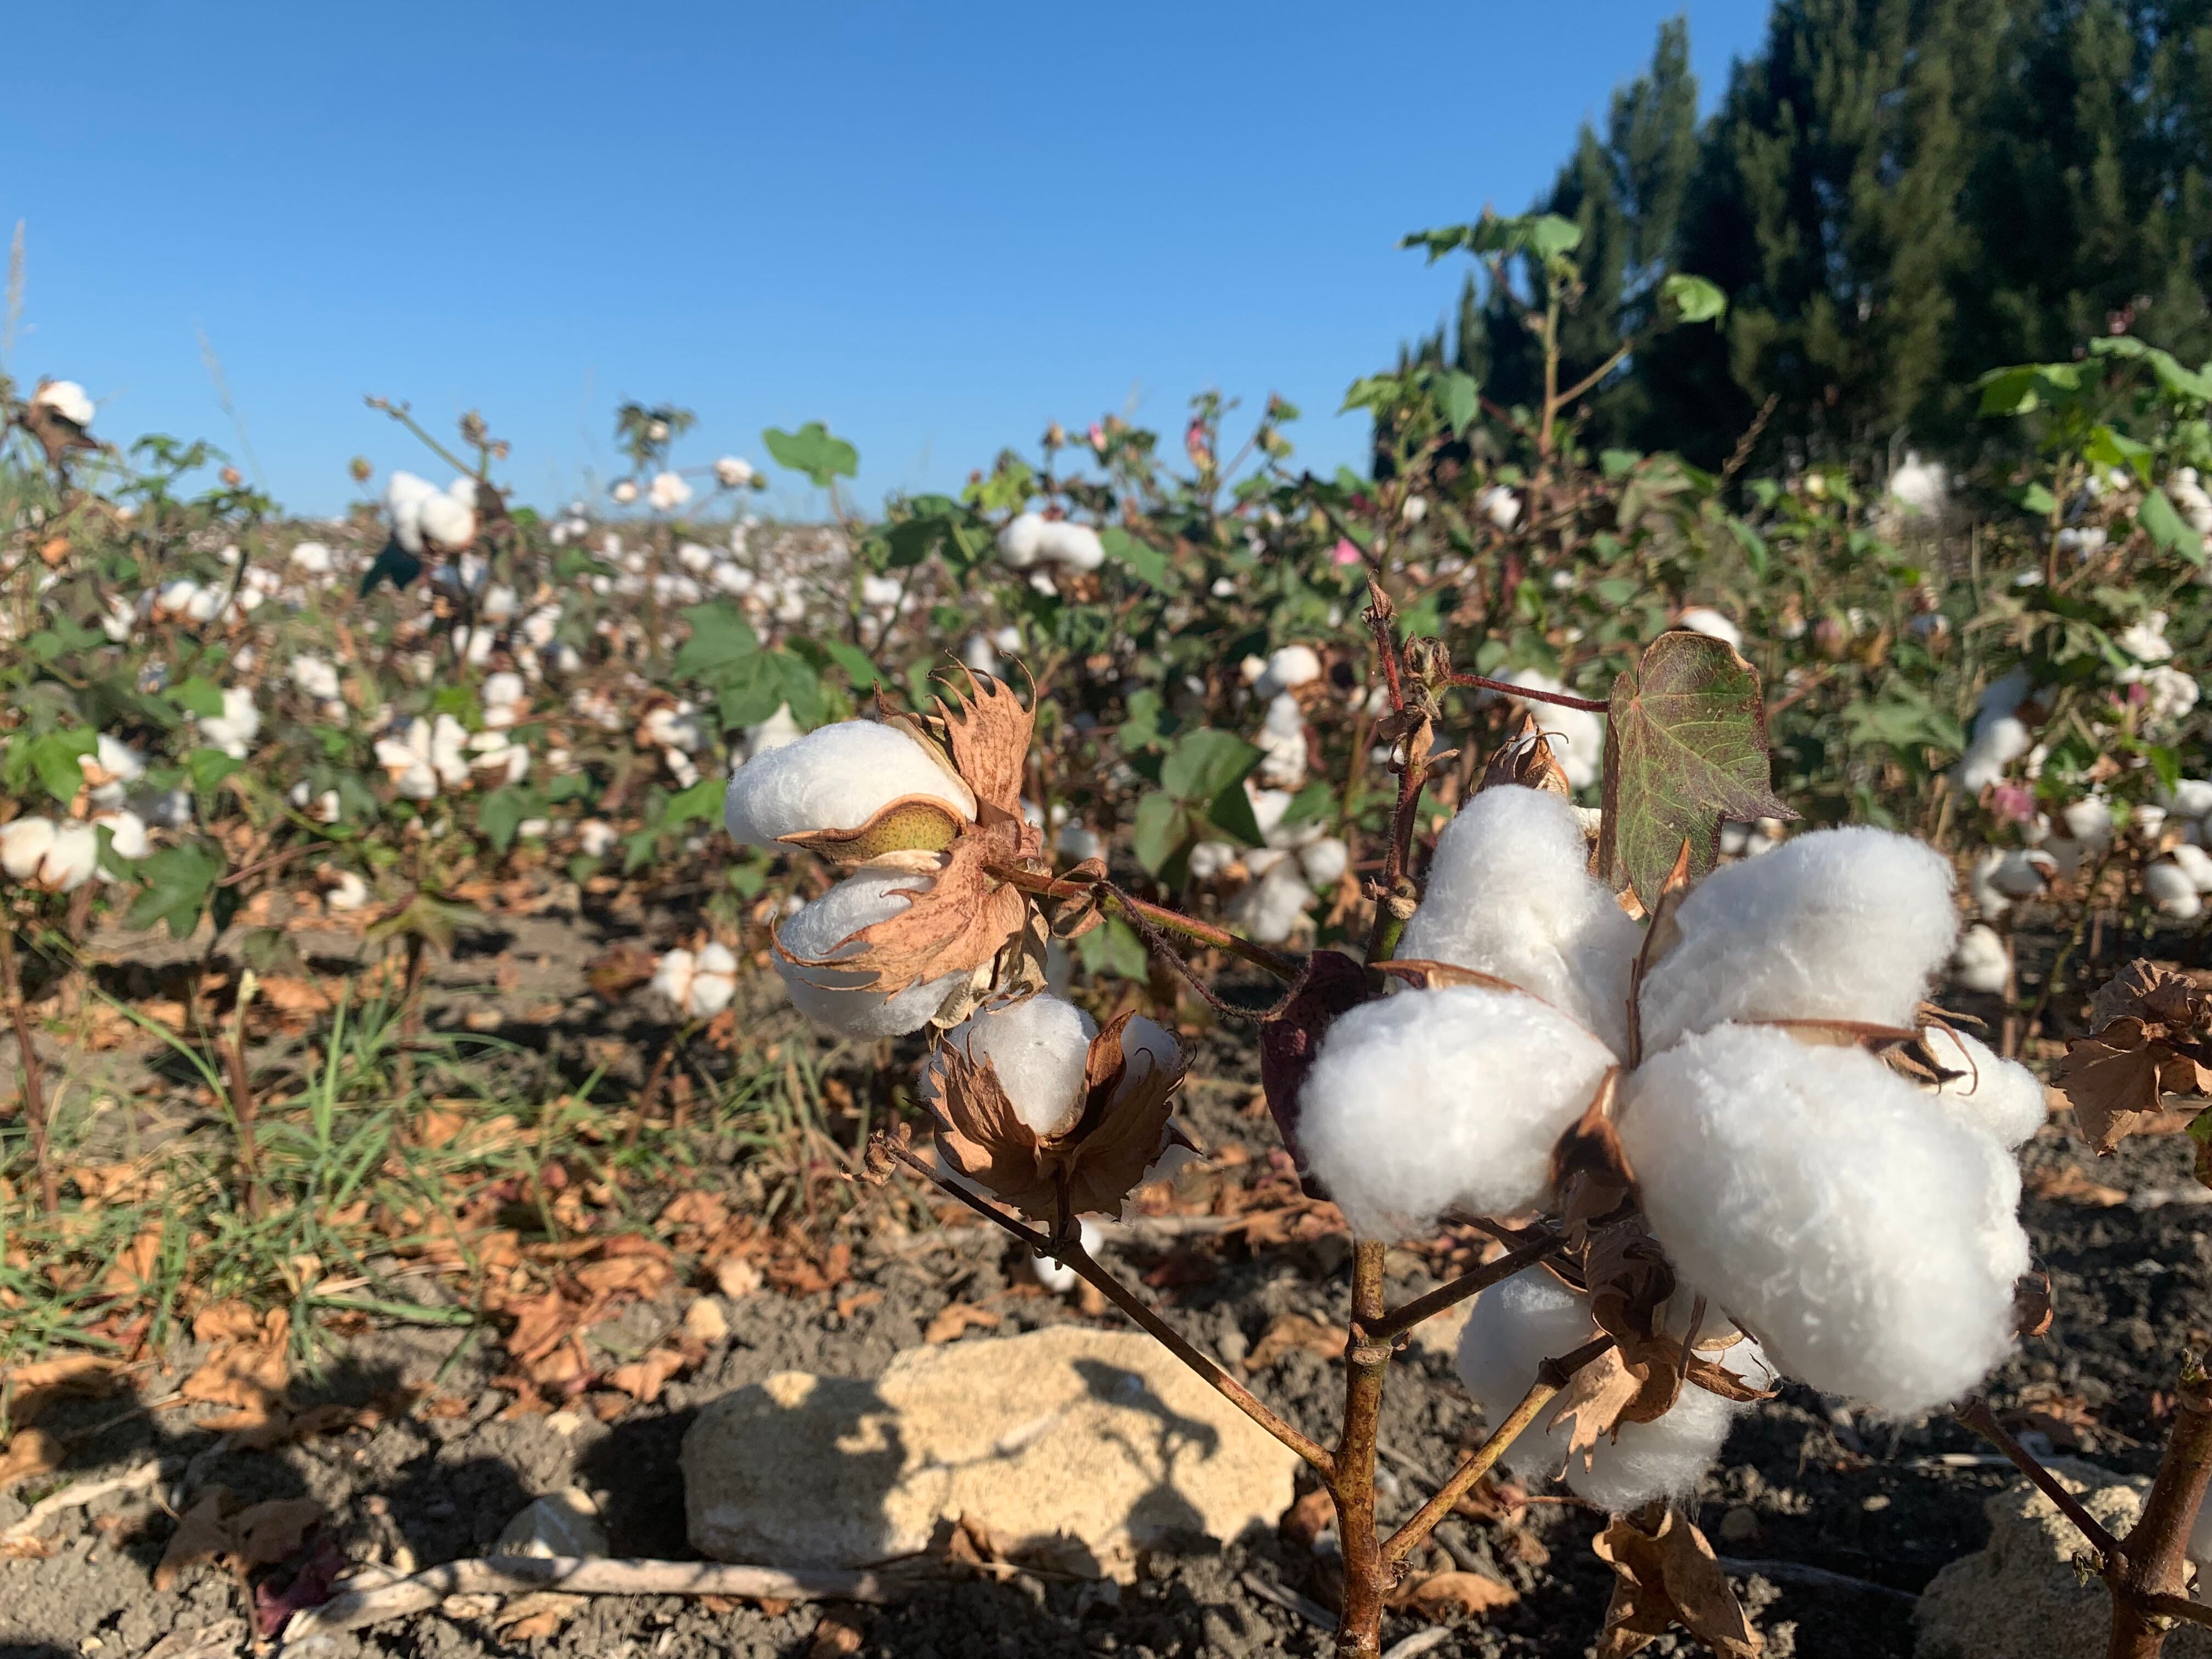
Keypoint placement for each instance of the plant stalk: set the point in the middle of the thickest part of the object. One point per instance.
(34, 1100)
(1367, 1576)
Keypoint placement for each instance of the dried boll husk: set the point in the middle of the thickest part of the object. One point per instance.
(1094, 1149)
(1432, 1098)
(813, 943)
(1840, 925)
(839, 779)
(1870, 1242)
(1509, 894)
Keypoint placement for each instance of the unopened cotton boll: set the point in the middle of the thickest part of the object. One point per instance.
(1981, 963)
(1703, 619)
(2170, 891)
(1039, 1049)
(836, 777)
(841, 999)
(1841, 924)
(1428, 1099)
(1815, 1197)
(2000, 1098)
(1509, 894)
(1022, 540)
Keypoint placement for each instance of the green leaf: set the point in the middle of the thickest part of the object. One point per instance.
(752, 690)
(54, 757)
(2168, 528)
(208, 768)
(1232, 812)
(1148, 563)
(1162, 829)
(197, 696)
(799, 684)
(500, 813)
(1459, 397)
(1685, 748)
(855, 661)
(721, 639)
(701, 803)
(1753, 543)
(174, 885)
(812, 450)
(1205, 763)
(1687, 299)
(1113, 951)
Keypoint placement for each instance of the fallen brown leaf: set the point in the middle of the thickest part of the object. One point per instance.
(2069, 1186)
(31, 1451)
(1295, 1332)
(956, 1320)
(642, 1379)
(1442, 1594)
(1669, 1576)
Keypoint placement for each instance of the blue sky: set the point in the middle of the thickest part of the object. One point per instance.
(935, 228)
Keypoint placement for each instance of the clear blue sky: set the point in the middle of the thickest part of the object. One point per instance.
(933, 227)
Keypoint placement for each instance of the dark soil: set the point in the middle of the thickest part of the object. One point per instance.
(1804, 1484)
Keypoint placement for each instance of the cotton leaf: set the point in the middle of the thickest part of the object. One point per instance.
(1665, 1577)
(1688, 749)
(2113, 1078)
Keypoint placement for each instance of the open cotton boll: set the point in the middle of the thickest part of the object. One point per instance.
(24, 843)
(1661, 1459)
(1576, 735)
(1146, 1047)
(836, 777)
(1022, 541)
(2195, 863)
(1513, 1329)
(1285, 669)
(312, 558)
(2001, 1098)
(1038, 1048)
(1993, 748)
(1325, 861)
(1814, 1195)
(1074, 546)
(67, 399)
(1500, 506)
(1703, 619)
(1427, 1099)
(2190, 797)
(842, 1001)
(447, 524)
(2170, 891)
(1510, 894)
(1270, 909)
(1981, 963)
(2089, 821)
(1841, 924)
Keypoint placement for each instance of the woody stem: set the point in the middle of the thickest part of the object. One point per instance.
(1457, 1290)
(1551, 1376)
(1072, 1254)
(34, 1102)
(1528, 694)
(1286, 969)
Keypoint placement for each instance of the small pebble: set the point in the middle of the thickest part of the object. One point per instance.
(1879, 1501)
(1739, 1524)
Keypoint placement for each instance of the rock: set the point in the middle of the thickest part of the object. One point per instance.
(559, 1523)
(1064, 1436)
(2021, 1594)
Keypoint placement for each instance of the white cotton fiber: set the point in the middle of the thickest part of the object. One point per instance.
(1842, 924)
(1704, 619)
(2000, 1098)
(1075, 546)
(1431, 1098)
(1981, 963)
(1059, 1279)
(1576, 735)
(1146, 1047)
(1289, 668)
(1270, 909)
(1866, 1240)
(1531, 1317)
(1995, 745)
(838, 999)
(1510, 893)
(2170, 891)
(1022, 540)
(1038, 1048)
(836, 778)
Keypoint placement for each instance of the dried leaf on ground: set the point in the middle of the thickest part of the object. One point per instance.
(642, 1379)
(29, 1452)
(257, 1536)
(1307, 1518)
(1441, 1594)
(1669, 1576)
(538, 1615)
(957, 1319)
(834, 1638)
(30, 1391)
(2068, 1185)
(1294, 1332)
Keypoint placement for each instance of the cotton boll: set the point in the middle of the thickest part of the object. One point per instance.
(233, 730)
(1324, 862)
(1210, 859)
(1147, 1047)
(67, 399)
(733, 473)
(1039, 1047)
(1500, 506)
(1921, 487)
(624, 492)
(977, 654)
(1079, 843)
(316, 677)
(668, 492)
(778, 731)
(840, 999)
(2089, 821)
(350, 892)
(1842, 924)
(1994, 748)
(1703, 619)
(1057, 1280)
(2002, 1099)
(1981, 963)
(1287, 669)
(1271, 909)
(1576, 735)
(1427, 1099)
(1663, 1459)
(126, 833)
(1022, 541)
(2170, 891)
(311, 559)
(1510, 893)
(836, 777)
(24, 844)
(110, 770)
(1071, 545)
(447, 525)
(1813, 1195)
(1511, 1330)
(2195, 864)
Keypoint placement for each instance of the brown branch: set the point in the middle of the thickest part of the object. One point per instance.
(1551, 1376)
(2153, 1564)
(1458, 1289)
(34, 1100)
(1484, 682)
(2176, 1607)
(1367, 1365)
(1072, 1254)
(1976, 1415)
(1287, 969)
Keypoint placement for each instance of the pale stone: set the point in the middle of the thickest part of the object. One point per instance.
(1063, 1435)
(559, 1523)
(2021, 1593)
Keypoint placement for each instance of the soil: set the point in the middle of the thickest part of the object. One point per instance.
(1804, 1484)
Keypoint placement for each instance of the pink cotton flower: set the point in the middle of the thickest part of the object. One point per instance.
(2014, 801)
(1346, 553)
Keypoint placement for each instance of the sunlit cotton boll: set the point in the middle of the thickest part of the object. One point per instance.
(1920, 487)
(1427, 1099)
(1273, 906)
(447, 525)
(126, 833)
(316, 677)
(1513, 1329)
(57, 858)
(1812, 1193)
(1038, 1048)
(403, 496)
(1509, 894)
(2170, 891)
(836, 777)
(668, 492)
(624, 492)
(311, 559)
(1703, 619)
(839, 1000)
(1500, 506)
(110, 770)
(698, 986)
(1287, 669)
(1981, 963)
(233, 730)
(67, 399)
(1324, 861)
(1841, 924)
(733, 472)
(1071, 545)
(2000, 1098)
(1022, 540)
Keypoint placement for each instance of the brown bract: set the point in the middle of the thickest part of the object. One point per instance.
(2144, 1041)
(1525, 758)
(1664, 1574)
(1089, 1162)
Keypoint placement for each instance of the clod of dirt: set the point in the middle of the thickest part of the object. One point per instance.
(1095, 1437)
(2022, 1593)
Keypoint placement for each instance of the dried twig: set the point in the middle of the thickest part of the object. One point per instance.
(82, 1493)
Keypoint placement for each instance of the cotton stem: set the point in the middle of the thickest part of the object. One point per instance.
(1453, 1291)
(1367, 1365)
(34, 1100)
